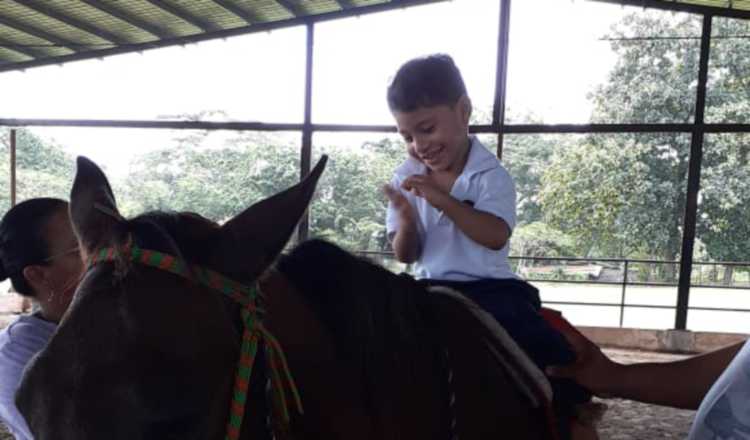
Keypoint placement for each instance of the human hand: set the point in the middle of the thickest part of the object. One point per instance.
(424, 186)
(591, 369)
(400, 203)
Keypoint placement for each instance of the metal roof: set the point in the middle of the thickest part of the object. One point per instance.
(41, 32)
(724, 8)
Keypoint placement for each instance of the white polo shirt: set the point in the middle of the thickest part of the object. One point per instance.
(447, 253)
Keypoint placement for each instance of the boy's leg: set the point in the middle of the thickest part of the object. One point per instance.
(515, 305)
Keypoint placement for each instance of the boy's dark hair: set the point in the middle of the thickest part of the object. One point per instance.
(22, 240)
(426, 82)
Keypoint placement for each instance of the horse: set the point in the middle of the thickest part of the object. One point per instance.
(182, 328)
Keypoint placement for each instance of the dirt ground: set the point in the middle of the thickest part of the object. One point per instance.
(624, 420)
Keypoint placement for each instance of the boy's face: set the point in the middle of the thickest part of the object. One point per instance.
(437, 136)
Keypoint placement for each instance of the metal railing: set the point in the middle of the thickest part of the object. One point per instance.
(621, 272)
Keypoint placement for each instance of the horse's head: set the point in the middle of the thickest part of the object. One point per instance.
(142, 352)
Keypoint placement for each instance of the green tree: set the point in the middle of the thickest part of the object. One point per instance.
(725, 200)
(43, 168)
(624, 195)
(350, 207)
(214, 181)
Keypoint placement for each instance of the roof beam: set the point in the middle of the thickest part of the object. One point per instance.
(290, 8)
(248, 17)
(185, 15)
(15, 47)
(44, 35)
(130, 19)
(684, 7)
(44, 9)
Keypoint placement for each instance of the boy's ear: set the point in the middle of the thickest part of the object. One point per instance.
(465, 107)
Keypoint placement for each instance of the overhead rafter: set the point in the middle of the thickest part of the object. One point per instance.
(15, 47)
(236, 10)
(130, 19)
(685, 7)
(185, 15)
(44, 9)
(44, 35)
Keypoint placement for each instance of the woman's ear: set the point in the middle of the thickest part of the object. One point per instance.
(35, 276)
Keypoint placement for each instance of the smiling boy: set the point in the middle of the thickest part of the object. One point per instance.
(452, 210)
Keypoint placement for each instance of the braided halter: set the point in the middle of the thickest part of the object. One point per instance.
(282, 383)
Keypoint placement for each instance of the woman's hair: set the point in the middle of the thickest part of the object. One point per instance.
(22, 239)
(426, 82)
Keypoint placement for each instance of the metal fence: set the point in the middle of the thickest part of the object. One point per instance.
(615, 272)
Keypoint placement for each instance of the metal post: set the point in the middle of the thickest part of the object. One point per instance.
(622, 295)
(501, 74)
(306, 150)
(693, 184)
(12, 167)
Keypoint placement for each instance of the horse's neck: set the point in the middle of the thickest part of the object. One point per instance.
(330, 390)
(291, 320)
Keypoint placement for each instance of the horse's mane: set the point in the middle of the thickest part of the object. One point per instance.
(380, 320)
(369, 310)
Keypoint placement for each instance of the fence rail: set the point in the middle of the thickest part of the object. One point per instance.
(617, 272)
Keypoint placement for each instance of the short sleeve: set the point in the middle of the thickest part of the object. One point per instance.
(498, 195)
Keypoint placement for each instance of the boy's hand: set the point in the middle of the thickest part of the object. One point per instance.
(402, 206)
(423, 186)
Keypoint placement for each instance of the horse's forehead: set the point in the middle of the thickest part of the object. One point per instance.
(185, 228)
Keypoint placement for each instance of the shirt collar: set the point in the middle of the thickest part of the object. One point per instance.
(480, 159)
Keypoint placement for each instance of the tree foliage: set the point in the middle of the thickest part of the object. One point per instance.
(624, 195)
(43, 168)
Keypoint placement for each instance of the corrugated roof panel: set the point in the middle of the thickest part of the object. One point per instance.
(317, 7)
(269, 10)
(7, 55)
(213, 13)
(360, 3)
(105, 21)
(734, 4)
(30, 42)
(51, 25)
(160, 18)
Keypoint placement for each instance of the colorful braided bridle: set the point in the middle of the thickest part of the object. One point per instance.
(254, 331)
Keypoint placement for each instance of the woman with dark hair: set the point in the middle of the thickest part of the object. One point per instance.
(39, 253)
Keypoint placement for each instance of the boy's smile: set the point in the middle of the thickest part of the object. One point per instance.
(437, 136)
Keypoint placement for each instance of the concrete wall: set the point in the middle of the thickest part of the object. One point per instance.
(673, 341)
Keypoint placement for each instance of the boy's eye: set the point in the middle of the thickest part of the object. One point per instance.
(408, 139)
(427, 129)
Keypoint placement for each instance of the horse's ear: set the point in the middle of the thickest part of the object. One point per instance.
(253, 239)
(93, 210)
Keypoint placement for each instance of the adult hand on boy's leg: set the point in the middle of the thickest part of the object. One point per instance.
(591, 369)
